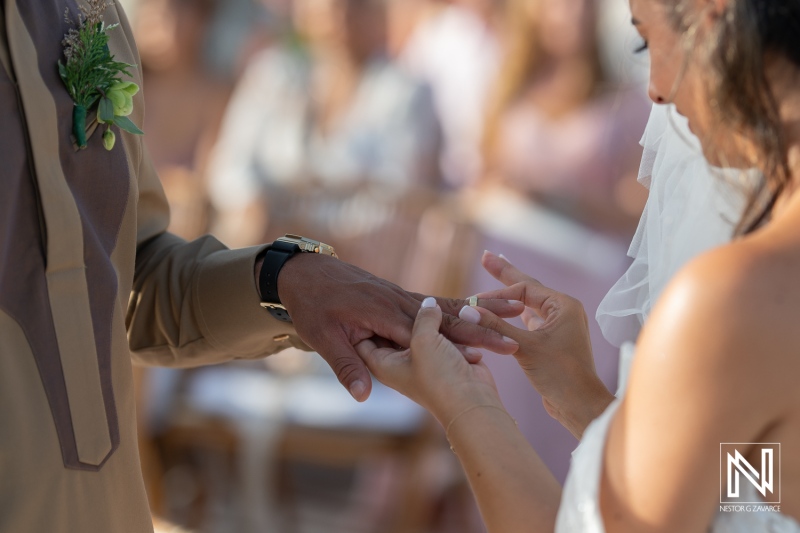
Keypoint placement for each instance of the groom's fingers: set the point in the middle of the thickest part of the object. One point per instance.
(346, 363)
(457, 330)
(501, 307)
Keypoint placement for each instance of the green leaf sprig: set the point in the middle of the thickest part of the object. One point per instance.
(92, 75)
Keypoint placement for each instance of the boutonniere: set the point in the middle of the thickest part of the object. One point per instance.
(93, 77)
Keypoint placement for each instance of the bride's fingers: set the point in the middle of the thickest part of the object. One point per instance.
(373, 356)
(427, 324)
(498, 294)
(381, 342)
(471, 355)
(487, 319)
(531, 293)
(503, 270)
(531, 319)
(387, 364)
(426, 332)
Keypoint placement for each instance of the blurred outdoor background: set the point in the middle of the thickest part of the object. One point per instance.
(411, 135)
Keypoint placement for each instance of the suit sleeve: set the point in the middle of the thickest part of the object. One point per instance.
(192, 303)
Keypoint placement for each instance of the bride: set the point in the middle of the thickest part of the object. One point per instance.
(717, 360)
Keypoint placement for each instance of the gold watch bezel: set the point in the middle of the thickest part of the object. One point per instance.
(307, 245)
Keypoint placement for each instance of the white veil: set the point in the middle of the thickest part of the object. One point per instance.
(691, 208)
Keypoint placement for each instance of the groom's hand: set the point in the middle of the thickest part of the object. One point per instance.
(335, 305)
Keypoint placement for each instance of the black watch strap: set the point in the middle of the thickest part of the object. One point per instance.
(277, 255)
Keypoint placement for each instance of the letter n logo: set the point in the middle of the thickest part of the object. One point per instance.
(742, 482)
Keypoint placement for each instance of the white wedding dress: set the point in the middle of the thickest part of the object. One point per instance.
(690, 209)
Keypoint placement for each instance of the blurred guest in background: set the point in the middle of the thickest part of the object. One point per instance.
(329, 115)
(555, 130)
(185, 102)
(455, 49)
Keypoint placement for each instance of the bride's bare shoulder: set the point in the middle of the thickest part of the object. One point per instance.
(753, 283)
(731, 316)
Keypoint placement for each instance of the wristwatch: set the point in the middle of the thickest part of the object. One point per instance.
(276, 256)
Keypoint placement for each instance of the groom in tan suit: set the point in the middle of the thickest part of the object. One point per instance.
(89, 276)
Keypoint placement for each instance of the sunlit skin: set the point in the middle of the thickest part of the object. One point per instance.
(717, 362)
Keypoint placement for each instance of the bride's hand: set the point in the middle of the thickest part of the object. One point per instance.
(437, 374)
(555, 352)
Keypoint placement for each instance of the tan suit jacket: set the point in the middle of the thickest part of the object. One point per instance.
(89, 276)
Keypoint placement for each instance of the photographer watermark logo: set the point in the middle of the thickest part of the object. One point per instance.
(738, 476)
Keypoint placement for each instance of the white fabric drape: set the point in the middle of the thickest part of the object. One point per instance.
(691, 208)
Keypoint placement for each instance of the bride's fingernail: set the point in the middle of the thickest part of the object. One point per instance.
(504, 258)
(469, 314)
(474, 352)
(509, 340)
(515, 302)
(429, 302)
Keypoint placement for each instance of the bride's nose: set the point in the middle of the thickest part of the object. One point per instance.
(655, 95)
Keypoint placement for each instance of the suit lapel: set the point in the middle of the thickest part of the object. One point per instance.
(5, 61)
(66, 271)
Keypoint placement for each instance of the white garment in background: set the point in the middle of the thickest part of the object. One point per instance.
(458, 55)
(690, 210)
(269, 137)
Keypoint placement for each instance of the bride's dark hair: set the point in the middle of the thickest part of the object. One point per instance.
(747, 34)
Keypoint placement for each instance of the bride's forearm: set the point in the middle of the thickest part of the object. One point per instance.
(514, 489)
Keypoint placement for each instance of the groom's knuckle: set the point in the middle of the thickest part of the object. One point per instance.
(492, 321)
(449, 322)
(346, 367)
(450, 304)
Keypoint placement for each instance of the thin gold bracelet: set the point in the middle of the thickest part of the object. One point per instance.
(467, 410)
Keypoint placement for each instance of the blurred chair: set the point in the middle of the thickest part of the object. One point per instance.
(350, 436)
(245, 430)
